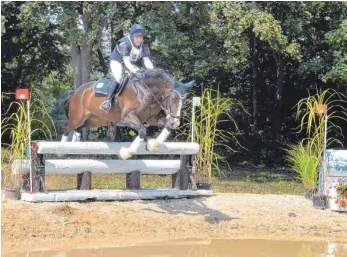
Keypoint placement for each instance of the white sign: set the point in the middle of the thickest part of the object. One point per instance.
(196, 101)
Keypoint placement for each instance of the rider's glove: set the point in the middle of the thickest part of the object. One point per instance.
(139, 75)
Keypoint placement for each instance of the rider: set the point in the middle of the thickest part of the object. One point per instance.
(132, 52)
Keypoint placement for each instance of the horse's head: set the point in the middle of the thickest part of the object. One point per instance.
(174, 101)
(170, 92)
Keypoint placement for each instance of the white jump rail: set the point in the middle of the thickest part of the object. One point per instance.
(155, 167)
(113, 148)
(71, 166)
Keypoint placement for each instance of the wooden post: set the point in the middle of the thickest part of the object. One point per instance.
(34, 171)
(84, 181)
(181, 178)
(176, 180)
(38, 174)
(133, 180)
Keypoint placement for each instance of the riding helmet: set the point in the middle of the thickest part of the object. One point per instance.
(138, 30)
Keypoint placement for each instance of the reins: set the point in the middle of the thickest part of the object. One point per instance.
(167, 95)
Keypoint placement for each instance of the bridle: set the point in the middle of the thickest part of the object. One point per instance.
(166, 98)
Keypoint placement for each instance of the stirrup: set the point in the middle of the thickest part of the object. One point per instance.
(107, 107)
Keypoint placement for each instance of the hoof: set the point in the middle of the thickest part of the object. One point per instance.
(125, 153)
(152, 145)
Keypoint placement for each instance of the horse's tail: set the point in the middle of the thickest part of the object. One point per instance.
(64, 101)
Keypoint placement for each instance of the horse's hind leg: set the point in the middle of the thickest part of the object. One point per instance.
(65, 137)
(78, 132)
(81, 132)
(76, 128)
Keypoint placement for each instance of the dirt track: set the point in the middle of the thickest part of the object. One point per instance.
(29, 226)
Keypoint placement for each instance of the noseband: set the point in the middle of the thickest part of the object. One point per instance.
(166, 99)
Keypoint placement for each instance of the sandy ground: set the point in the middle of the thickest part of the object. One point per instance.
(34, 226)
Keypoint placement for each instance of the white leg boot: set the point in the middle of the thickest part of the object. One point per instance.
(64, 139)
(154, 144)
(126, 153)
(76, 137)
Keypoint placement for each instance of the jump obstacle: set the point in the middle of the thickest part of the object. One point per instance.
(330, 173)
(181, 170)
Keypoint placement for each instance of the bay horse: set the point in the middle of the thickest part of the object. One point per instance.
(141, 102)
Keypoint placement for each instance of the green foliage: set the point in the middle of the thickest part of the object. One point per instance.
(304, 159)
(213, 111)
(314, 123)
(19, 125)
(337, 39)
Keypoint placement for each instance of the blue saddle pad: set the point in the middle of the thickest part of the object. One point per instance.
(101, 86)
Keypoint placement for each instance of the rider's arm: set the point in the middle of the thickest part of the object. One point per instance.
(129, 65)
(146, 60)
(148, 63)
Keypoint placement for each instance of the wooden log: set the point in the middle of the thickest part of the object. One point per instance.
(84, 181)
(112, 148)
(184, 178)
(113, 195)
(176, 180)
(112, 166)
(133, 180)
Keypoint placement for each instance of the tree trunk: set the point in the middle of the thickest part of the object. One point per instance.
(86, 58)
(86, 53)
(276, 114)
(102, 62)
(76, 64)
(255, 80)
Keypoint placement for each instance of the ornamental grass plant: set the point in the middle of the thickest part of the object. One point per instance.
(306, 157)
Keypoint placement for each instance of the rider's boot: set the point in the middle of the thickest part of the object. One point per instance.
(106, 105)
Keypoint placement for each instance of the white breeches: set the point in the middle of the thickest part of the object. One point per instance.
(116, 70)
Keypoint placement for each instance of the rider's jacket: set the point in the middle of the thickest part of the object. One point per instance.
(132, 56)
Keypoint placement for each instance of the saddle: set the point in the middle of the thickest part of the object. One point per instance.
(101, 86)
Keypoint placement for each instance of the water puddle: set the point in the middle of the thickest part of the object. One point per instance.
(203, 248)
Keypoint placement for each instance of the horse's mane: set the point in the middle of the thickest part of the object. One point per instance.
(160, 75)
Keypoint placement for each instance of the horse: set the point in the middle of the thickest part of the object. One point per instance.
(140, 102)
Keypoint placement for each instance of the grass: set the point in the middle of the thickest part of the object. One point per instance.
(213, 111)
(64, 209)
(239, 180)
(305, 157)
(17, 124)
(305, 160)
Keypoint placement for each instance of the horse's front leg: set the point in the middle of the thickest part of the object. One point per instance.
(154, 144)
(133, 122)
